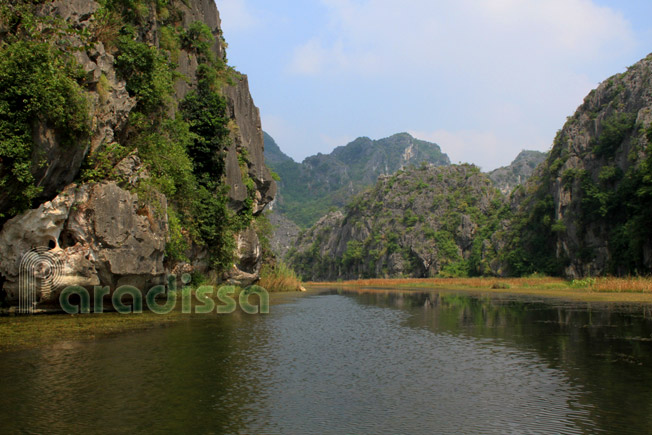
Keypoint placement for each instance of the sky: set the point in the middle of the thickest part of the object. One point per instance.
(484, 79)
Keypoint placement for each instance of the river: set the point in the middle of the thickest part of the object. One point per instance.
(341, 362)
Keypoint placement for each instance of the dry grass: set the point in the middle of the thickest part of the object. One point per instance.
(618, 290)
(106, 28)
(473, 283)
(279, 279)
(622, 285)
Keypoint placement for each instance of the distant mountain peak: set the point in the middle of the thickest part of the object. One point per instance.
(518, 172)
(323, 181)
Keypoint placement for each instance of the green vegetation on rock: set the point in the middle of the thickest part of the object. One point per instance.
(183, 151)
(321, 183)
(40, 82)
(181, 143)
(587, 211)
(420, 222)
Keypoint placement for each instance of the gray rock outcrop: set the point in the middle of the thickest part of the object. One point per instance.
(101, 232)
(421, 222)
(284, 235)
(587, 209)
(100, 235)
(518, 172)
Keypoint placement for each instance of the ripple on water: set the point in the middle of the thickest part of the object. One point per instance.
(339, 363)
(365, 371)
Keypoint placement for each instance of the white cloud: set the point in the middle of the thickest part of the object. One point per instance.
(236, 15)
(313, 58)
(465, 33)
(493, 76)
(309, 58)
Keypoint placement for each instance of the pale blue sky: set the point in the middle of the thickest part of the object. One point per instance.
(482, 78)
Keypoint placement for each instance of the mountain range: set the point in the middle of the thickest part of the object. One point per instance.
(308, 190)
(582, 210)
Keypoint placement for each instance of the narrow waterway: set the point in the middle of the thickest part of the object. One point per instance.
(337, 362)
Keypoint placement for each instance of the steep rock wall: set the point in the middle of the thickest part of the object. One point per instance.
(85, 241)
(587, 209)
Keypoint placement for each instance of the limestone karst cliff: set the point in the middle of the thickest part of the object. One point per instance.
(587, 210)
(518, 172)
(309, 189)
(420, 222)
(130, 149)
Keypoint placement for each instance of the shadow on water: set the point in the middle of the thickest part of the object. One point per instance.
(350, 362)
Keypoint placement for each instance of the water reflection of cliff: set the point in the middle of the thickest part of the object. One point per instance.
(605, 350)
(180, 379)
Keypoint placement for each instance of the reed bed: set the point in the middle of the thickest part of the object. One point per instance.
(604, 285)
(479, 283)
(279, 278)
(623, 285)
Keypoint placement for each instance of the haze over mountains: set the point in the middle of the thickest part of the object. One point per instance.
(518, 172)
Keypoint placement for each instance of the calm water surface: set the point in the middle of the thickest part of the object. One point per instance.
(339, 362)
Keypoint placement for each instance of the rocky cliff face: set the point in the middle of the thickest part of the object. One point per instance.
(518, 172)
(101, 230)
(310, 189)
(587, 210)
(417, 223)
(99, 234)
(249, 137)
(284, 234)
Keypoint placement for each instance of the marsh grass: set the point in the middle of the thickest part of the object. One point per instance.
(279, 278)
(621, 285)
(473, 283)
(641, 285)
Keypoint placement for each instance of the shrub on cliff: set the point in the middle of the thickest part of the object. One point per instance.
(38, 83)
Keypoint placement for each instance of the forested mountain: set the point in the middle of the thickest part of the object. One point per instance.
(585, 211)
(419, 222)
(308, 190)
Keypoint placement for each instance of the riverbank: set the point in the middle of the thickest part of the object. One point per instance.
(26, 332)
(610, 290)
(29, 332)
